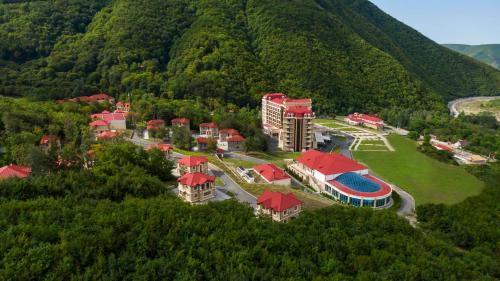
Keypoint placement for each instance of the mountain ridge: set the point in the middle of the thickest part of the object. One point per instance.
(347, 55)
(486, 53)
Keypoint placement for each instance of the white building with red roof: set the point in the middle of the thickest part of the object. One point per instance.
(99, 98)
(181, 122)
(279, 206)
(116, 121)
(14, 171)
(192, 164)
(196, 187)
(289, 120)
(370, 121)
(344, 179)
(209, 130)
(272, 174)
(106, 135)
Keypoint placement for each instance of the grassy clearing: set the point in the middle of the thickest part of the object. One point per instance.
(277, 158)
(373, 142)
(428, 180)
(239, 163)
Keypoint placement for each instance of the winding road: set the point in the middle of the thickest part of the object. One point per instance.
(452, 105)
(229, 184)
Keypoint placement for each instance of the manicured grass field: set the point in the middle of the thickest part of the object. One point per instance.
(239, 163)
(426, 179)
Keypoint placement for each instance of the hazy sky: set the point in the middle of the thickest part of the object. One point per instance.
(449, 21)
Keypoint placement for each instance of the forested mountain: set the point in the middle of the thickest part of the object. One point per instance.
(346, 54)
(489, 53)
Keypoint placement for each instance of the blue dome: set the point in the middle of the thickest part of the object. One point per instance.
(357, 182)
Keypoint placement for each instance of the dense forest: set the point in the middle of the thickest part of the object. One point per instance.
(347, 55)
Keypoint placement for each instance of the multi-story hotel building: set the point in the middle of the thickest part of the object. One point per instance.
(289, 120)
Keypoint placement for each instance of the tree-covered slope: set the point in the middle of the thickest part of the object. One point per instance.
(347, 55)
(489, 54)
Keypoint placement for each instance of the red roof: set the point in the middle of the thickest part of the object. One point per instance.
(155, 124)
(229, 131)
(107, 135)
(108, 116)
(237, 138)
(298, 111)
(274, 95)
(161, 146)
(14, 171)
(192, 161)
(180, 121)
(46, 139)
(208, 125)
(278, 201)
(99, 123)
(270, 172)
(195, 179)
(439, 146)
(329, 164)
(358, 117)
(384, 190)
(202, 140)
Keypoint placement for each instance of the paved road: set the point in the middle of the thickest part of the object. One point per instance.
(452, 105)
(229, 184)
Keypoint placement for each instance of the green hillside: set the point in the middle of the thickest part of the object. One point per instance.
(347, 55)
(489, 54)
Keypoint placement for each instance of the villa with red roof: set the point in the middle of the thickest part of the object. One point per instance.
(14, 171)
(196, 187)
(181, 122)
(224, 134)
(272, 174)
(106, 135)
(290, 121)
(366, 120)
(166, 148)
(192, 164)
(279, 206)
(113, 120)
(344, 179)
(209, 130)
(123, 106)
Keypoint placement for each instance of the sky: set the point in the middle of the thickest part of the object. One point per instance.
(449, 21)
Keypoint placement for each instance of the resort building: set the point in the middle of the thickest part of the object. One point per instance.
(196, 187)
(272, 174)
(99, 126)
(344, 179)
(14, 171)
(192, 164)
(234, 143)
(279, 206)
(99, 98)
(201, 143)
(224, 134)
(106, 135)
(290, 121)
(209, 130)
(366, 120)
(181, 122)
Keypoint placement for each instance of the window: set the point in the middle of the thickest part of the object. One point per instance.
(367, 203)
(343, 198)
(380, 202)
(355, 202)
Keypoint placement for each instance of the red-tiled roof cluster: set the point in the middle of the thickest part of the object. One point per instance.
(192, 161)
(440, 146)
(155, 124)
(98, 123)
(229, 132)
(108, 116)
(12, 170)
(92, 98)
(210, 125)
(278, 201)
(329, 164)
(195, 179)
(270, 172)
(181, 121)
(123, 105)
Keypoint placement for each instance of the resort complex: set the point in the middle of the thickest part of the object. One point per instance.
(290, 121)
(279, 206)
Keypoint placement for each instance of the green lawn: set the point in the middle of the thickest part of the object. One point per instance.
(239, 163)
(428, 180)
(276, 158)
